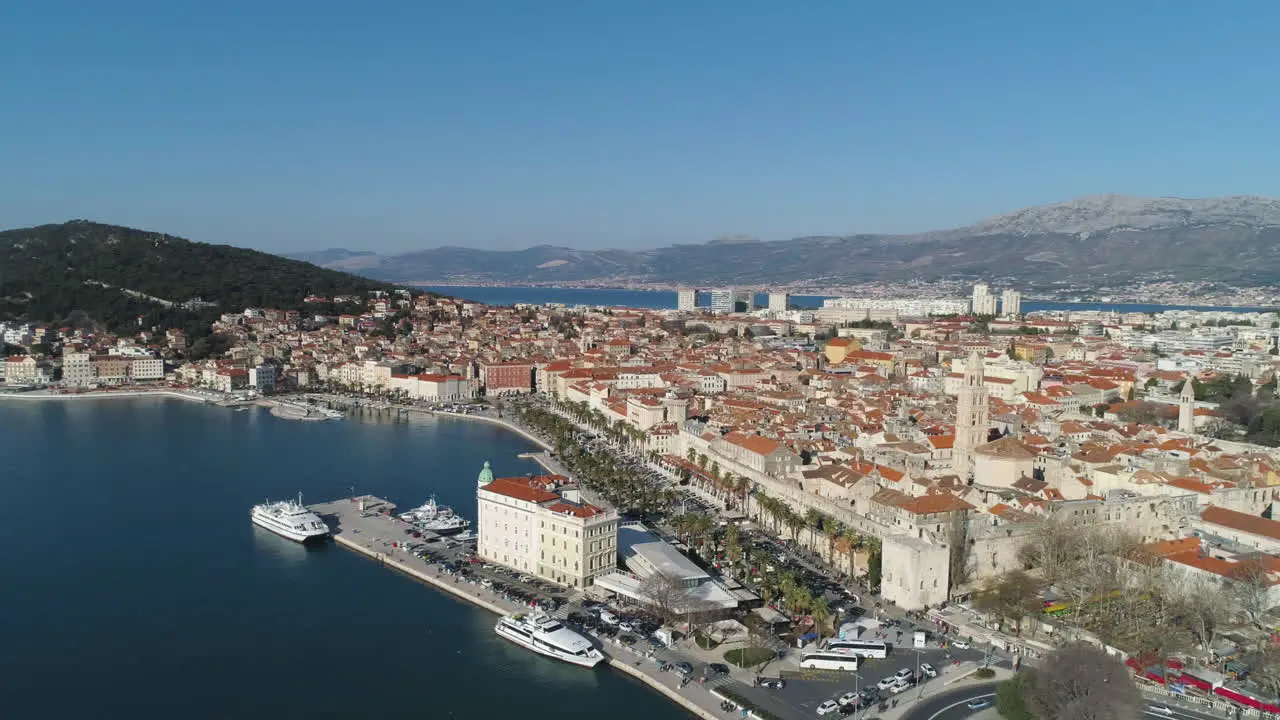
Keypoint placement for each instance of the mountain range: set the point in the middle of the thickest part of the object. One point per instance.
(1095, 240)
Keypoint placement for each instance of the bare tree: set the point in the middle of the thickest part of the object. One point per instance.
(1264, 668)
(1251, 589)
(667, 596)
(1012, 596)
(1080, 682)
(1202, 603)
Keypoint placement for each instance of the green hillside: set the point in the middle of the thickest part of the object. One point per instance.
(77, 273)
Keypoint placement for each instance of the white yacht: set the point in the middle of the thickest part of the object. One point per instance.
(435, 518)
(547, 636)
(445, 524)
(290, 519)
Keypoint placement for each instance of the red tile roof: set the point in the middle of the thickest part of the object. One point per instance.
(520, 489)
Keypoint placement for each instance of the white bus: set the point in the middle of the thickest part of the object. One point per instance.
(829, 661)
(863, 648)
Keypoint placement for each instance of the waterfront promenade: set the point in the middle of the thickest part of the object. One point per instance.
(375, 532)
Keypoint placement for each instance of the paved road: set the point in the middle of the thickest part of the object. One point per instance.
(953, 704)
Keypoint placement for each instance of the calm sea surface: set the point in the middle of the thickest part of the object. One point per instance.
(666, 299)
(132, 584)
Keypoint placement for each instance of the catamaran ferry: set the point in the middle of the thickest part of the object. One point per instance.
(547, 636)
(290, 519)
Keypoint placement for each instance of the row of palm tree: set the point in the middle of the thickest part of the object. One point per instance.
(781, 516)
(733, 490)
(617, 482)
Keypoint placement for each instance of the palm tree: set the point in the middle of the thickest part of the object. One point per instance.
(813, 519)
(820, 610)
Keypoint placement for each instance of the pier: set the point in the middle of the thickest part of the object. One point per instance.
(368, 525)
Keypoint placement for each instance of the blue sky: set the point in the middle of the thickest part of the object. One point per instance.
(288, 125)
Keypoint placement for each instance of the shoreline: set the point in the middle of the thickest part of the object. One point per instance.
(100, 395)
(621, 663)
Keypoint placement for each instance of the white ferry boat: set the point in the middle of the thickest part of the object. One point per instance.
(547, 636)
(290, 519)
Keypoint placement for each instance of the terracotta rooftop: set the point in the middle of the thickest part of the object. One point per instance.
(521, 489)
(1243, 522)
(1006, 448)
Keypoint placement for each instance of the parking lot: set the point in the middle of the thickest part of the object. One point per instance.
(804, 691)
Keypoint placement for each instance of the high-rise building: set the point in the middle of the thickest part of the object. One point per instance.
(778, 301)
(983, 303)
(1011, 303)
(687, 299)
(971, 416)
(722, 300)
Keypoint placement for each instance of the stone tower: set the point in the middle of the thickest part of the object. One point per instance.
(971, 417)
(1187, 407)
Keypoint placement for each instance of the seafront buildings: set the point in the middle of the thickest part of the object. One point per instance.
(952, 440)
(539, 525)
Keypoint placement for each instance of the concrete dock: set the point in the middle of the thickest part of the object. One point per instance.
(368, 525)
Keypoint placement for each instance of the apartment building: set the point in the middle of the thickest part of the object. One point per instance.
(537, 526)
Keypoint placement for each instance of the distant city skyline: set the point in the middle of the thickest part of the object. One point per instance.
(294, 127)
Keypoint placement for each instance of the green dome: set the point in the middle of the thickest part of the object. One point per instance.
(486, 475)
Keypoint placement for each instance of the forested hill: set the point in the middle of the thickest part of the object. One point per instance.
(84, 273)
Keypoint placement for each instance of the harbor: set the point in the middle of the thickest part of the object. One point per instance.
(369, 525)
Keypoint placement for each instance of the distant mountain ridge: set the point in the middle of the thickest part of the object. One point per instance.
(1099, 238)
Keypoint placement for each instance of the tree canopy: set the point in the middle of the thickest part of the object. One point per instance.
(83, 273)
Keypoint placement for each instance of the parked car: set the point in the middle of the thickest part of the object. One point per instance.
(904, 674)
(928, 670)
(683, 669)
(828, 707)
(608, 618)
(848, 698)
(887, 683)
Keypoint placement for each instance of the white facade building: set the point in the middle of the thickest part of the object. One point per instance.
(77, 371)
(983, 302)
(141, 369)
(523, 524)
(1011, 303)
(687, 299)
(778, 302)
(905, 306)
(263, 377)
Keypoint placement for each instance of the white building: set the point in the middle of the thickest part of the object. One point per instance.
(647, 556)
(433, 387)
(905, 306)
(21, 370)
(778, 302)
(77, 371)
(1011, 302)
(687, 299)
(522, 523)
(263, 377)
(141, 369)
(983, 302)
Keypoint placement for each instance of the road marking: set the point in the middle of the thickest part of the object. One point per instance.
(958, 703)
